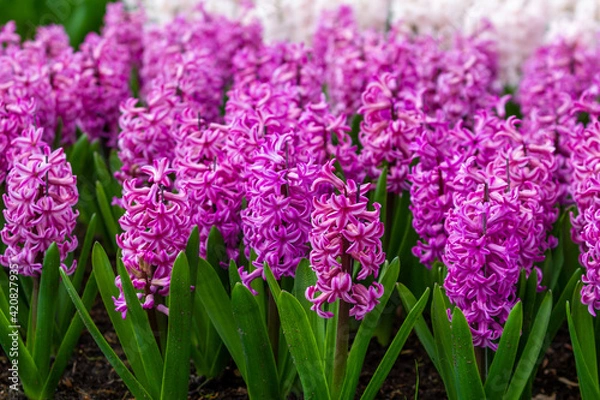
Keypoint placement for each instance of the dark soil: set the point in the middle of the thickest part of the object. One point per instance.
(89, 376)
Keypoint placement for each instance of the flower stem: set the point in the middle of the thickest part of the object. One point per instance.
(481, 355)
(342, 335)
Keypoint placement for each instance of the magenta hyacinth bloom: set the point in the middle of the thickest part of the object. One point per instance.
(323, 135)
(392, 119)
(482, 255)
(586, 227)
(104, 84)
(276, 221)
(213, 185)
(155, 229)
(343, 228)
(431, 192)
(41, 194)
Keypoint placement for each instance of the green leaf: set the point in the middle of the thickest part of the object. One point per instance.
(365, 332)
(587, 381)
(380, 197)
(234, 273)
(28, 372)
(529, 300)
(401, 219)
(272, 282)
(70, 339)
(386, 364)
(46, 310)
(192, 252)
(468, 380)
(528, 358)
(584, 326)
(218, 306)
(137, 389)
(105, 278)
(501, 369)
(216, 251)
(331, 326)
(261, 376)
(143, 334)
(303, 347)
(176, 373)
(443, 342)
(558, 311)
(306, 277)
(103, 173)
(107, 215)
(67, 309)
(79, 154)
(421, 328)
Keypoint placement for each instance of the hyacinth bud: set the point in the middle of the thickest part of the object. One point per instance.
(155, 229)
(344, 231)
(41, 194)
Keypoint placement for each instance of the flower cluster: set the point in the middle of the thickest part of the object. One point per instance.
(276, 221)
(41, 194)
(344, 232)
(481, 254)
(206, 174)
(155, 229)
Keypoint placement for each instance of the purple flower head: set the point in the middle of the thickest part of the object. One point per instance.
(146, 132)
(339, 49)
(553, 79)
(467, 78)
(322, 135)
(155, 229)
(25, 77)
(104, 84)
(205, 173)
(41, 194)
(392, 119)
(128, 27)
(276, 221)
(288, 66)
(586, 228)
(431, 192)
(481, 255)
(344, 232)
(9, 38)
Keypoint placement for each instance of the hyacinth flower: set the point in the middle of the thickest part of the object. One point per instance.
(431, 192)
(146, 132)
(15, 117)
(289, 66)
(205, 172)
(586, 190)
(344, 231)
(104, 84)
(276, 220)
(481, 254)
(324, 135)
(24, 77)
(155, 229)
(392, 118)
(41, 194)
(553, 79)
(339, 49)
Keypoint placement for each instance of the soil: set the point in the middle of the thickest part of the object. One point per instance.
(90, 377)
